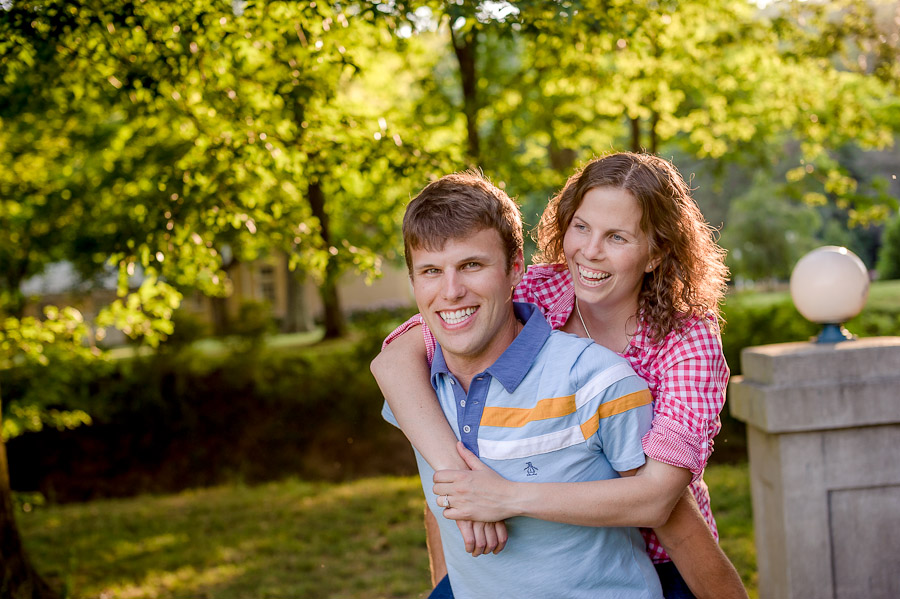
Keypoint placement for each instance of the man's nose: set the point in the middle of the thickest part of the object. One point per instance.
(452, 287)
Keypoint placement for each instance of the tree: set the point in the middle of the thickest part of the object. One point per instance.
(541, 86)
(29, 342)
(768, 232)
(145, 136)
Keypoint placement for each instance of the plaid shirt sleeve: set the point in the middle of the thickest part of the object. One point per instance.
(414, 321)
(692, 378)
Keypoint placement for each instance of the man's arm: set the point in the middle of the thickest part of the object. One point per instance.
(700, 561)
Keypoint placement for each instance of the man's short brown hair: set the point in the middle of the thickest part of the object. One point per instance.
(457, 206)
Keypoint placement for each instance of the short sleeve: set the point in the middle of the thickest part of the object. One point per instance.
(619, 406)
(622, 427)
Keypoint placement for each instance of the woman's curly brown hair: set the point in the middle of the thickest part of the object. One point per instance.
(691, 277)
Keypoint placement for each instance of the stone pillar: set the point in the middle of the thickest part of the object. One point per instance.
(823, 433)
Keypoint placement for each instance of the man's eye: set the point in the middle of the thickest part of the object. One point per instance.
(431, 271)
(470, 265)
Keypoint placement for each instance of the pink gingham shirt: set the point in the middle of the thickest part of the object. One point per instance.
(686, 373)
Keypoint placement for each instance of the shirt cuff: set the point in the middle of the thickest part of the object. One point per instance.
(672, 443)
(414, 321)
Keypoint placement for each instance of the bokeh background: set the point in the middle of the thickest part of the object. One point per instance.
(200, 253)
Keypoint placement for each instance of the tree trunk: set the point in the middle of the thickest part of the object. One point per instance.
(19, 578)
(296, 318)
(14, 303)
(635, 135)
(220, 320)
(466, 48)
(334, 317)
(654, 137)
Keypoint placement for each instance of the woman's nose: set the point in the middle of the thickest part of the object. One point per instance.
(593, 249)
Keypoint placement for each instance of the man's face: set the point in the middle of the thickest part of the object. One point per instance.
(464, 293)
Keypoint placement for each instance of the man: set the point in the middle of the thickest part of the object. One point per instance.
(534, 404)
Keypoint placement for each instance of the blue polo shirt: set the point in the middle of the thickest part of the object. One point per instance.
(553, 408)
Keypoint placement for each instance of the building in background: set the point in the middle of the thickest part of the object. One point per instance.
(291, 297)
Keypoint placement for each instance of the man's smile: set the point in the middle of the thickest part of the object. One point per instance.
(453, 317)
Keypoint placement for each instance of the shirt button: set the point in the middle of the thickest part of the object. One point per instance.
(462, 403)
(452, 382)
(467, 429)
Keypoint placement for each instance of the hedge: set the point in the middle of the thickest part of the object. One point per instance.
(185, 417)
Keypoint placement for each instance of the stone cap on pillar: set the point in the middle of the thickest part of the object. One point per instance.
(808, 386)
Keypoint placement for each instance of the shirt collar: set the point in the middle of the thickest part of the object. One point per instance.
(513, 364)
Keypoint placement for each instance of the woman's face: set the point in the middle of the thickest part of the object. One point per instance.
(606, 250)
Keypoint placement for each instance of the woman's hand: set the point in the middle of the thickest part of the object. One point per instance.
(479, 494)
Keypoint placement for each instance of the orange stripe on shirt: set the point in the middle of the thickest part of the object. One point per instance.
(616, 406)
(553, 407)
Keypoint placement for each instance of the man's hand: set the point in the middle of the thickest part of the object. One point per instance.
(483, 537)
(480, 536)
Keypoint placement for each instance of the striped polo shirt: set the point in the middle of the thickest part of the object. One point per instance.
(553, 408)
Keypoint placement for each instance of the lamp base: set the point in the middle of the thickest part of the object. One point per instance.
(834, 333)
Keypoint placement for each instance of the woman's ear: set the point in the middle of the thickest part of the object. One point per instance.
(653, 263)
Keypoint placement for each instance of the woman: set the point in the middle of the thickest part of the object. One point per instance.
(627, 260)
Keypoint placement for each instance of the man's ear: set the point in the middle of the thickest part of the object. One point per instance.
(518, 267)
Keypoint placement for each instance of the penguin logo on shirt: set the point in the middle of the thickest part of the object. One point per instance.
(530, 469)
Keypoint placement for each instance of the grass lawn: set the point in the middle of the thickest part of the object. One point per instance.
(290, 539)
(883, 295)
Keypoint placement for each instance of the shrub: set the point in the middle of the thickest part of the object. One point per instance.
(748, 325)
(185, 418)
(889, 256)
(187, 328)
(751, 323)
(254, 320)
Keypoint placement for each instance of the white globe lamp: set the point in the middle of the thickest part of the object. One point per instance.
(829, 286)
